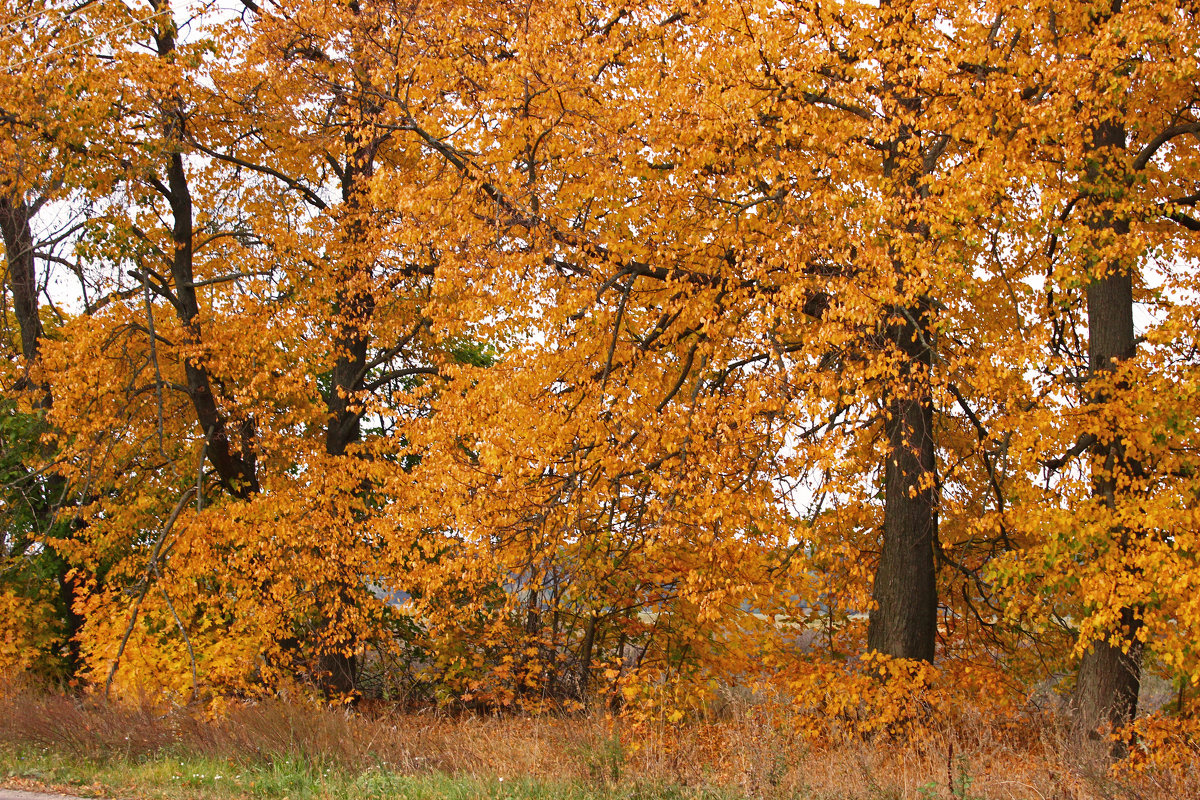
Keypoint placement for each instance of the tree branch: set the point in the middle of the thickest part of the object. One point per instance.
(1152, 147)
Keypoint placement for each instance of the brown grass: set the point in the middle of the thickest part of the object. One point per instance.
(750, 749)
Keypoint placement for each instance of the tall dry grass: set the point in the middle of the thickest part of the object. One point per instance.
(750, 748)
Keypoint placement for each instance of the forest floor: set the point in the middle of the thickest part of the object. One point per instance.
(276, 751)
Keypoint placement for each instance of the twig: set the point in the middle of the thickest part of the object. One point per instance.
(151, 568)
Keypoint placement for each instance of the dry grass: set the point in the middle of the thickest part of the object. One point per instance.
(261, 732)
(752, 750)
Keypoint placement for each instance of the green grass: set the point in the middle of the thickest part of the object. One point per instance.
(173, 776)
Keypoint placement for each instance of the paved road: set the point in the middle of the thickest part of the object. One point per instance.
(13, 794)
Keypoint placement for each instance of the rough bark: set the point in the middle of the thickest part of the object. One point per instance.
(903, 620)
(1108, 681)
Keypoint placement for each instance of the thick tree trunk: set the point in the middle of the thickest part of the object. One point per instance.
(903, 621)
(903, 618)
(234, 462)
(339, 673)
(339, 669)
(1108, 681)
(1109, 676)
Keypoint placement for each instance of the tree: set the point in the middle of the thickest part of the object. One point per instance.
(801, 221)
(1127, 172)
(41, 174)
(274, 310)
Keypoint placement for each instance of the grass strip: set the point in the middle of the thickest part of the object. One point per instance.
(170, 775)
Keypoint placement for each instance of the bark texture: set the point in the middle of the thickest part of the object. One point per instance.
(903, 622)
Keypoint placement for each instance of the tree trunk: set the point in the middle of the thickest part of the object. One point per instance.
(1108, 681)
(903, 620)
(903, 617)
(339, 669)
(339, 673)
(354, 308)
(1109, 676)
(585, 657)
(22, 275)
(233, 461)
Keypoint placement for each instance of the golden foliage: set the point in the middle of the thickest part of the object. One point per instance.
(532, 354)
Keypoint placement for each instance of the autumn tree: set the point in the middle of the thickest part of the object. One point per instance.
(45, 125)
(272, 307)
(1112, 92)
(749, 224)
